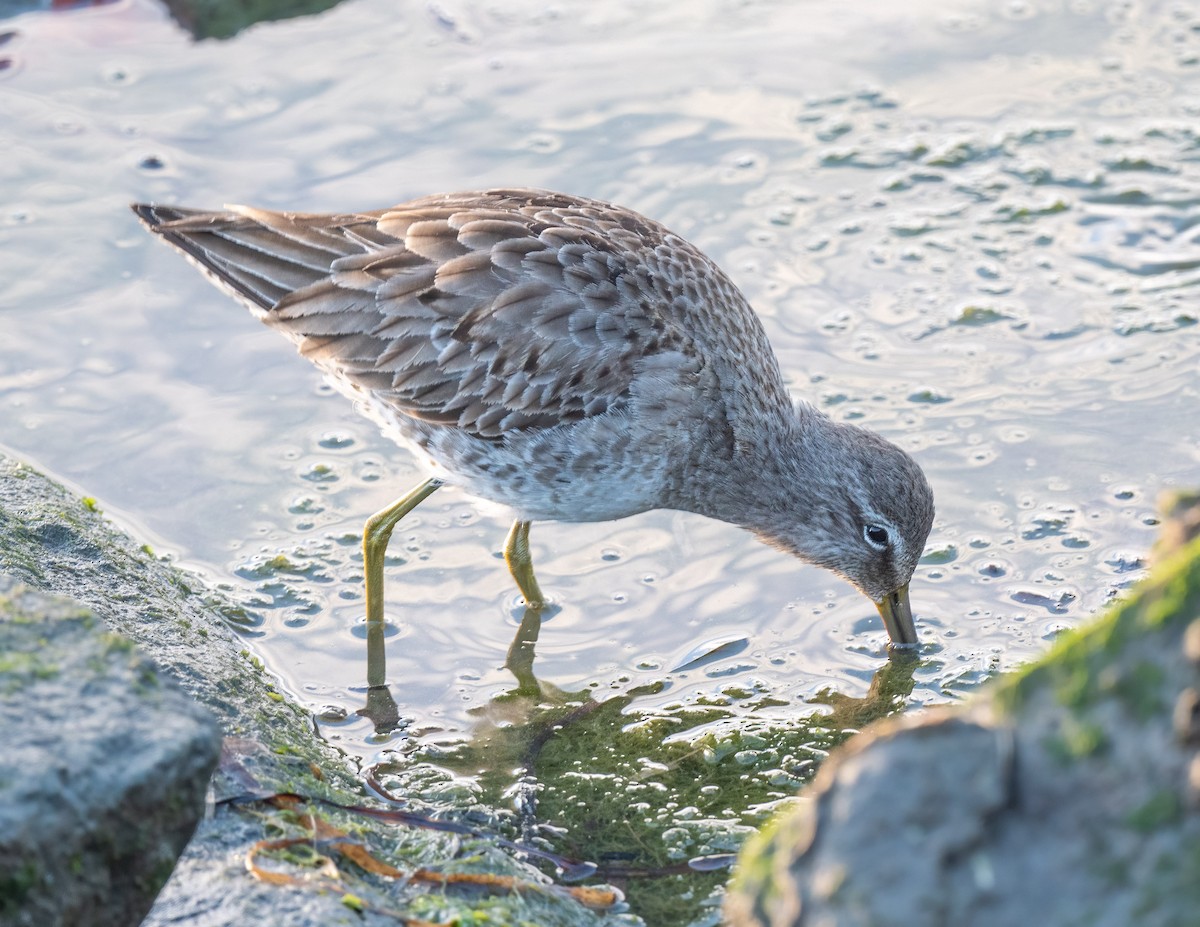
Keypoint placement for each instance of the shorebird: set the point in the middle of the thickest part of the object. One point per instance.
(573, 360)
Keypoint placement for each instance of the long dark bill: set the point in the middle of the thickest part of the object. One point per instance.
(898, 618)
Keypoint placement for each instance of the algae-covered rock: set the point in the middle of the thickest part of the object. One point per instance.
(103, 771)
(56, 541)
(294, 839)
(1066, 794)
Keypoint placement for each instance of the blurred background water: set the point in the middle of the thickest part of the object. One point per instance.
(973, 226)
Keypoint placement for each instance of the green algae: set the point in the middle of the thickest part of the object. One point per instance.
(939, 556)
(1026, 214)
(1076, 740)
(1141, 689)
(974, 316)
(15, 886)
(649, 795)
(1174, 875)
(1162, 808)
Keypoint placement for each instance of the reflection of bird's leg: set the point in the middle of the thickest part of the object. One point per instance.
(519, 661)
(381, 709)
(520, 564)
(376, 534)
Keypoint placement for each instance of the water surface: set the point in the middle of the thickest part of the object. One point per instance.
(972, 228)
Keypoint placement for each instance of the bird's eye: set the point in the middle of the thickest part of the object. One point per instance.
(876, 536)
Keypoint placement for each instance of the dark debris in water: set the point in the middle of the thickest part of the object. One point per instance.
(711, 652)
(1056, 606)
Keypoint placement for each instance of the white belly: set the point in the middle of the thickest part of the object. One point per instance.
(594, 470)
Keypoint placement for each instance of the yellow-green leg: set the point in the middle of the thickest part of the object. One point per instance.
(520, 564)
(376, 534)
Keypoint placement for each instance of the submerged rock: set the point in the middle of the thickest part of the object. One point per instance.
(1065, 794)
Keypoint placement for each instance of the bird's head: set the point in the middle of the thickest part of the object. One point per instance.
(862, 509)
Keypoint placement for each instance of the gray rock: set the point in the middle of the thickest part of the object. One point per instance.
(103, 772)
(1064, 795)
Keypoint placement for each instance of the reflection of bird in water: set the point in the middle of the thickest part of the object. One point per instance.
(891, 685)
(573, 360)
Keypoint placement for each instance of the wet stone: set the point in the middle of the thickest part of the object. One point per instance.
(103, 772)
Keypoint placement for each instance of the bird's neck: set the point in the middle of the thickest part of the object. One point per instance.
(782, 477)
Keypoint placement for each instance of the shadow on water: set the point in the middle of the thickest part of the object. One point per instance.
(655, 801)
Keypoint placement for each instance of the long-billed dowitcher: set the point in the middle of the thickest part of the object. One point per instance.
(573, 360)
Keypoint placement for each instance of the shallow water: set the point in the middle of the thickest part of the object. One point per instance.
(973, 230)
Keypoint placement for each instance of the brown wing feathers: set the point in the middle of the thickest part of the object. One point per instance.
(493, 317)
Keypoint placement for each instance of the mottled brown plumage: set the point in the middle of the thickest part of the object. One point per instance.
(572, 359)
